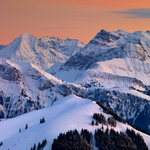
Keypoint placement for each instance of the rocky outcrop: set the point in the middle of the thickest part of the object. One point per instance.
(46, 85)
(10, 73)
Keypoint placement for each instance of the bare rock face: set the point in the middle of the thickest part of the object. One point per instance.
(109, 45)
(65, 90)
(35, 74)
(28, 89)
(12, 74)
(106, 36)
(46, 85)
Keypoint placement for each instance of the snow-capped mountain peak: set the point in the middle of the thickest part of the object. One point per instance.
(43, 53)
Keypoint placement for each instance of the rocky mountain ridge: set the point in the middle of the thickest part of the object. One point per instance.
(25, 88)
(43, 53)
(112, 68)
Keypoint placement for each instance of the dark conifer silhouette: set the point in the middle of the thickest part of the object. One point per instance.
(97, 122)
(92, 123)
(72, 140)
(112, 121)
(26, 127)
(137, 139)
(113, 140)
(42, 120)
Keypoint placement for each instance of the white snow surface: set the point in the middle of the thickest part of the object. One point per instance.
(107, 72)
(32, 79)
(68, 113)
(27, 68)
(126, 67)
(126, 55)
(43, 53)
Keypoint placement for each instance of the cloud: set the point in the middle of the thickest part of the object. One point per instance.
(136, 13)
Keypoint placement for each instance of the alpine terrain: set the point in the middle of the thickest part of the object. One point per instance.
(50, 88)
(43, 53)
(114, 67)
(38, 129)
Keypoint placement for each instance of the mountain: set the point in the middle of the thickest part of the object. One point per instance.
(114, 67)
(43, 53)
(65, 114)
(2, 46)
(117, 53)
(24, 88)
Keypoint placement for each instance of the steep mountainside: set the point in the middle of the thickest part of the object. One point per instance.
(68, 113)
(112, 68)
(2, 46)
(43, 53)
(115, 61)
(24, 87)
(110, 57)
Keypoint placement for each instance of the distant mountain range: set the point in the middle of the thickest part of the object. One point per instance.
(115, 54)
(44, 52)
(114, 68)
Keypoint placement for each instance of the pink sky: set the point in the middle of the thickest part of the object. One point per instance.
(76, 19)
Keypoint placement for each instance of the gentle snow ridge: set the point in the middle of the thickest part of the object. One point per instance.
(68, 113)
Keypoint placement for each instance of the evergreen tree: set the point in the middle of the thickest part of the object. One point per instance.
(97, 122)
(26, 127)
(39, 146)
(42, 120)
(34, 147)
(44, 142)
(72, 140)
(137, 139)
(113, 141)
(112, 122)
(92, 123)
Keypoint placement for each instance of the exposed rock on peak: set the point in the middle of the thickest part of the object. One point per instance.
(106, 36)
(43, 53)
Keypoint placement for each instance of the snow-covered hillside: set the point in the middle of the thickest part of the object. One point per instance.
(114, 62)
(115, 59)
(24, 87)
(112, 68)
(68, 113)
(43, 53)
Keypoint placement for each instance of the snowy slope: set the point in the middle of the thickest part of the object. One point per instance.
(43, 52)
(68, 113)
(113, 58)
(24, 87)
(114, 67)
(2, 46)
